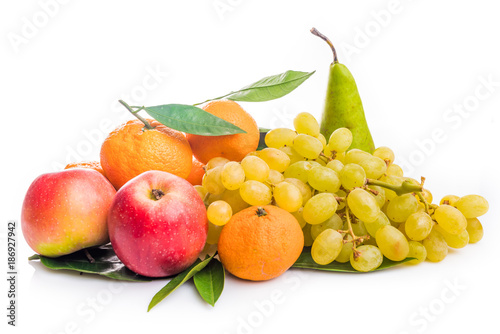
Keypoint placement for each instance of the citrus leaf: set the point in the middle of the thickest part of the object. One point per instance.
(191, 119)
(210, 281)
(105, 263)
(305, 261)
(270, 88)
(178, 280)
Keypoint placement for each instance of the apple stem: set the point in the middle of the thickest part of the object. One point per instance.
(135, 113)
(89, 257)
(315, 31)
(157, 193)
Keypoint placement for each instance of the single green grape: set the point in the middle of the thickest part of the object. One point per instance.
(369, 258)
(212, 181)
(255, 193)
(202, 191)
(394, 170)
(298, 170)
(342, 194)
(380, 196)
(307, 146)
(472, 206)
(213, 234)
(323, 179)
(305, 190)
(449, 200)
(374, 167)
(436, 246)
(219, 213)
(384, 153)
(300, 219)
(255, 168)
(315, 163)
(352, 175)
(346, 251)
(275, 159)
(305, 123)
(418, 226)
(319, 208)
(402, 229)
(340, 156)
(454, 240)
(334, 223)
(417, 251)
(292, 154)
(232, 175)
(280, 137)
(335, 165)
(401, 207)
(320, 161)
(233, 198)
(214, 162)
(392, 243)
(274, 177)
(327, 152)
(373, 227)
(308, 240)
(450, 219)
(475, 230)
(287, 196)
(340, 140)
(363, 205)
(326, 247)
(214, 197)
(355, 156)
(358, 227)
(322, 139)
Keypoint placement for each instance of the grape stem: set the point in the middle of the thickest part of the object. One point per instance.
(422, 199)
(355, 239)
(405, 187)
(325, 157)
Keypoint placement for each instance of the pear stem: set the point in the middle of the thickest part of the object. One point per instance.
(315, 31)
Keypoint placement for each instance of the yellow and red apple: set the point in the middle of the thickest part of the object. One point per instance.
(157, 224)
(66, 211)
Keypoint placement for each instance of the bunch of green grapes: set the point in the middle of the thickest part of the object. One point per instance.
(352, 206)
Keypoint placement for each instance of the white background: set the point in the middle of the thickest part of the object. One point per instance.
(413, 62)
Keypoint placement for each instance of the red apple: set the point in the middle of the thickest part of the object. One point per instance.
(66, 211)
(157, 224)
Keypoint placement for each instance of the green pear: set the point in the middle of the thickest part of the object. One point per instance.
(343, 107)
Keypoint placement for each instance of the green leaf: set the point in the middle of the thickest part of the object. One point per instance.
(262, 138)
(305, 261)
(270, 88)
(178, 280)
(191, 119)
(106, 263)
(210, 281)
